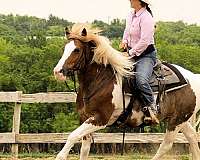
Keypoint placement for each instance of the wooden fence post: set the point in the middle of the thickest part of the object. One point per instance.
(16, 122)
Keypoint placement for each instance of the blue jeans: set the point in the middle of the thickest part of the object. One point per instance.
(144, 69)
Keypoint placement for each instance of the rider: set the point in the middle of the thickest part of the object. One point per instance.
(138, 38)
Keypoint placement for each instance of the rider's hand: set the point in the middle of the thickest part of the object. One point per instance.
(123, 45)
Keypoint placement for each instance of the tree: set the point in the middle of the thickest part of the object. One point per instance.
(55, 31)
(36, 40)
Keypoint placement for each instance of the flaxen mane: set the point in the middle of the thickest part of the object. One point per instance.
(104, 53)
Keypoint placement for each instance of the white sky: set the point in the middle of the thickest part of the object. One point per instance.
(88, 10)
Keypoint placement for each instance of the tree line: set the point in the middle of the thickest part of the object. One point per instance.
(30, 47)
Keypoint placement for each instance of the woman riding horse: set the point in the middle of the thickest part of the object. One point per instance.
(138, 39)
(100, 69)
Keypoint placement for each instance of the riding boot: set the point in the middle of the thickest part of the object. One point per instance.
(152, 108)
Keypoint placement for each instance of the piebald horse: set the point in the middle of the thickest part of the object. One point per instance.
(100, 69)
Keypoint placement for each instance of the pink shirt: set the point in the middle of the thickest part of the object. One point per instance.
(139, 31)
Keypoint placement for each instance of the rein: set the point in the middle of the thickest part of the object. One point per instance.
(73, 77)
(124, 128)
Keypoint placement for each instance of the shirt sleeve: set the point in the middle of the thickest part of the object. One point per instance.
(147, 33)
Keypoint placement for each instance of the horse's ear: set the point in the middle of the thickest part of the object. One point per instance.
(67, 31)
(84, 32)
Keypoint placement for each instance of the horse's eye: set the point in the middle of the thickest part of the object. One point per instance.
(76, 50)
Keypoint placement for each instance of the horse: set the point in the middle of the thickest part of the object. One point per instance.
(100, 69)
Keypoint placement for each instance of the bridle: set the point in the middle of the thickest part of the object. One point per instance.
(77, 68)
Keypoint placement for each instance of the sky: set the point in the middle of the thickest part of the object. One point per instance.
(106, 10)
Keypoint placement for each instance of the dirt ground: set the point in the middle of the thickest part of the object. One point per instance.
(109, 157)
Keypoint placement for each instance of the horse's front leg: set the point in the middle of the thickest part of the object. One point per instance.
(86, 128)
(85, 147)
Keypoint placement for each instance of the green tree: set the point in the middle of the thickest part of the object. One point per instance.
(36, 40)
(56, 31)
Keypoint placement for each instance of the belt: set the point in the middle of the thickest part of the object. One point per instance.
(149, 49)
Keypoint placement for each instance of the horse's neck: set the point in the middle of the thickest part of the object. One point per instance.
(95, 76)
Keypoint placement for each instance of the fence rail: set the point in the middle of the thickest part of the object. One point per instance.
(51, 97)
(12, 138)
(16, 138)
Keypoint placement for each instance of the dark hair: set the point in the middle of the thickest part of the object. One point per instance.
(143, 4)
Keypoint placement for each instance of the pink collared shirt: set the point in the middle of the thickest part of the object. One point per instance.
(139, 31)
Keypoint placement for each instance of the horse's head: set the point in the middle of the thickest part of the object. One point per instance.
(77, 55)
(86, 46)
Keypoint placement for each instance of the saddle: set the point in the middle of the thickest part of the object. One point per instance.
(165, 78)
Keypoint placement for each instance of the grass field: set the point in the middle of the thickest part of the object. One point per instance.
(99, 157)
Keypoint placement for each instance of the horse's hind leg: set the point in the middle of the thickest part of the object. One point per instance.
(167, 143)
(85, 129)
(85, 147)
(191, 136)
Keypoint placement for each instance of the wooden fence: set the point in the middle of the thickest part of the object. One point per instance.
(15, 138)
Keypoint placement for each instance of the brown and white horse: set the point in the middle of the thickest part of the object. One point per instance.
(100, 69)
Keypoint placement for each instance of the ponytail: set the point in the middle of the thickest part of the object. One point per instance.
(149, 10)
(143, 4)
